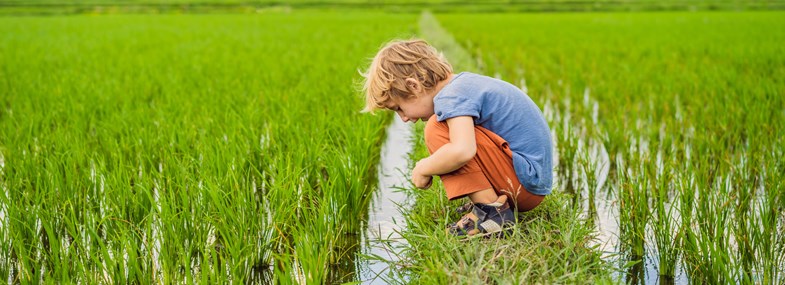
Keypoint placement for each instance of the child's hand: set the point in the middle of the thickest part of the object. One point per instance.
(420, 181)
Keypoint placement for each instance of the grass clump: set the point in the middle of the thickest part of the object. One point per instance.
(549, 245)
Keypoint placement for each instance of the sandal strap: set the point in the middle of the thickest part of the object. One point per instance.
(479, 213)
(490, 226)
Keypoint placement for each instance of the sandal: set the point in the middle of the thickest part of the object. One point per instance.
(485, 219)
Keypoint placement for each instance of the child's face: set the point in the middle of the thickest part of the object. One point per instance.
(418, 107)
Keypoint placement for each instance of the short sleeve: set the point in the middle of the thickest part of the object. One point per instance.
(452, 102)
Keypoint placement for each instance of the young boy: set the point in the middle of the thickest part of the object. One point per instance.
(487, 138)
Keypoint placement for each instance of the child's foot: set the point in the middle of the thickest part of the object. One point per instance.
(485, 219)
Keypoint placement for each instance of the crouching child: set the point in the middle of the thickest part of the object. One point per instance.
(487, 139)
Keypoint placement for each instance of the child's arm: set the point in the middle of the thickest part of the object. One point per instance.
(451, 156)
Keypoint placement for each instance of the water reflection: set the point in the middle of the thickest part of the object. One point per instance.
(344, 270)
(366, 258)
(384, 218)
(261, 274)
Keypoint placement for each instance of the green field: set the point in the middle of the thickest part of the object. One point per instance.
(230, 148)
(55, 7)
(690, 110)
(160, 149)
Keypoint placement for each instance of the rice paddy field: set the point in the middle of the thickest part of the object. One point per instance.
(677, 119)
(197, 149)
(65, 7)
(229, 148)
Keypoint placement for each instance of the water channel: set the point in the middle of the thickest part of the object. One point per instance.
(385, 219)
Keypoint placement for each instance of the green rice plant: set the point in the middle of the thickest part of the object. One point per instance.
(743, 181)
(667, 232)
(707, 241)
(689, 114)
(553, 233)
(634, 214)
(546, 237)
(767, 227)
(593, 166)
(172, 149)
(176, 149)
(98, 7)
(566, 146)
(568, 152)
(686, 186)
(665, 228)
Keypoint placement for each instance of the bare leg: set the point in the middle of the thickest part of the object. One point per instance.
(491, 170)
(486, 196)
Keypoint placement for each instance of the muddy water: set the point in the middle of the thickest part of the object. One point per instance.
(385, 219)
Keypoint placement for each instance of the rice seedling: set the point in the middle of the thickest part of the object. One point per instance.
(228, 148)
(199, 148)
(52, 7)
(550, 245)
(688, 112)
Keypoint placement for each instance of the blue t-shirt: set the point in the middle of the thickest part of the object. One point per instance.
(507, 111)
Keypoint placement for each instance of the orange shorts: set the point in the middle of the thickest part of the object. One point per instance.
(491, 167)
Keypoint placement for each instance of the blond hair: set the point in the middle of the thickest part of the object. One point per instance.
(397, 61)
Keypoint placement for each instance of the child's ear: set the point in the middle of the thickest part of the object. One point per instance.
(413, 85)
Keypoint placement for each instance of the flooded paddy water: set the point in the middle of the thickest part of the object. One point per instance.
(636, 207)
(674, 160)
(600, 207)
(369, 255)
(677, 167)
(153, 173)
(385, 215)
